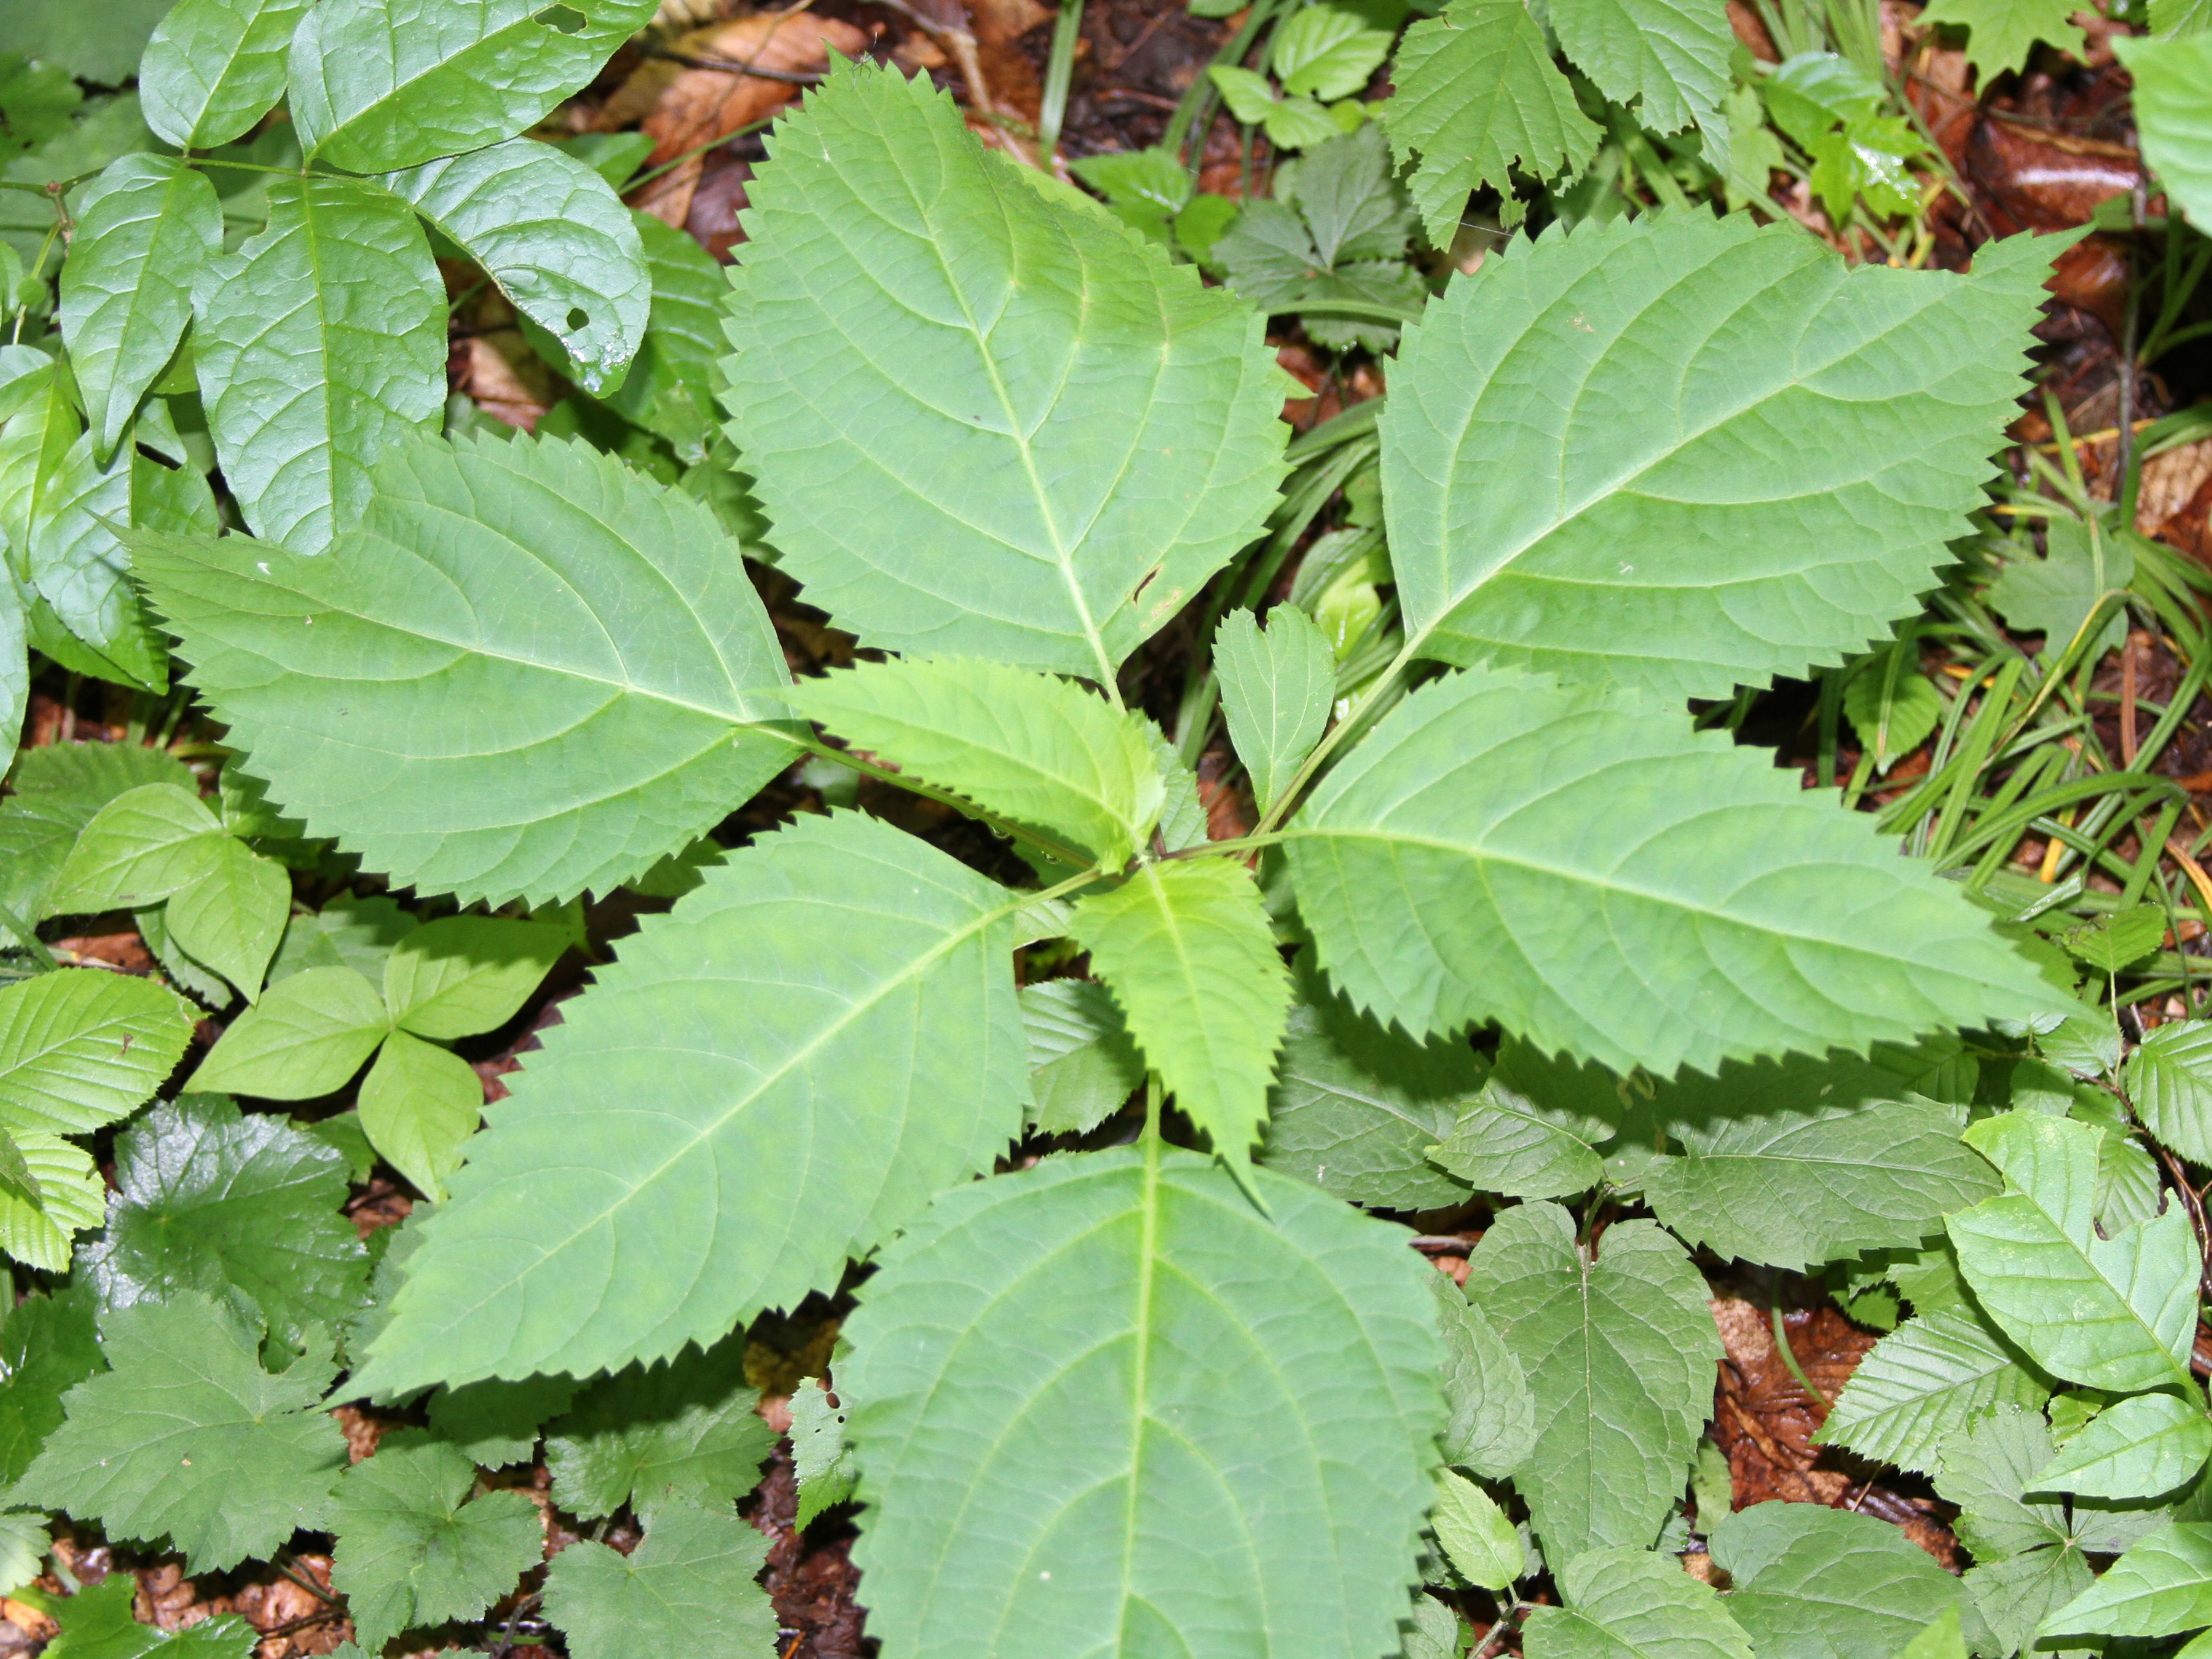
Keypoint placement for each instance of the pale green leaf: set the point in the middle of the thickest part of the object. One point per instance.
(415, 1548)
(554, 236)
(349, 932)
(2160, 1587)
(1533, 1130)
(1813, 1582)
(2180, 17)
(419, 1103)
(1620, 1356)
(1504, 848)
(690, 1587)
(1327, 52)
(145, 229)
(820, 1461)
(378, 84)
(319, 345)
(1489, 1424)
(1276, 689)
(1892, 704)
(2054, 595)
(1825, 434)
(232, 915)
(24, 1541)
(142, 847)
(1085, 433)
(97, 1623)
(1477, 94)
(214, 67)
(1632, 1604)
(1107, 1393)
(2135, 1448)
(601, 1218)
(82, 1048)
(687, 1427)
(2114, 1313)
(1083, 1065)
(2001, 33)
(1668, 58)
(13, 1171)
(306, 1036)
(1935, 1374)
(1245, 91)
(48, 1345)
(78, 566)
(495, 1424)
(1186, 949)
(187, 1438)
(1035, 749)
(1477, 1537)
(464, 974)
(2169, 1081)
(2174, 116)
(71, 1200)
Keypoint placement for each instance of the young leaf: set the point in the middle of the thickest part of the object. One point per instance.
(556, 239)
(1328, 51)
(2001, 33)
(97, 1623)
(145, 229)
(48, 1345)
(2115, 1313)
(2160, 1587)
(1186, 949)
(1534, 1129)
(2135, 1448)
(1622, 1604)
(306, 1036)
(1083, 1065)
(1086, 435)
(1669, 57)
(419, 1105)
(1477, 1536)
(1831, 431)
(214, 67)
(690, 1587)
(1035, 749)
(2173, 116)
(585, 1231)
(1107, 1393)
(82, 1048)
(820, 1461)
(2028, 1561)
(378, 84)
(319, 345)
(1813, 1582)
(38, 1229)
(1276, 688)
(1619, 1355)
(414, 1548)
(2169, 1081)
(1500, 838)
(1937, 1373)
(1490, 1423)
(1478, 93)
(58, 790)
(188, 1438)
(688, 1426)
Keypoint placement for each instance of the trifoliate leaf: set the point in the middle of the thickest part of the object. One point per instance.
(1892, 705)
(1478, 93)
(609, 621)
(465, 975)
(1677, 549)
(2054, 596)
(1451, 871)
(1188, 952)
(97, 1623)
(1623, 1604)
(1669, 57)
(1477, 1536)
(2028, 1562)
(414, 1548)
(495, 1424)
(820, 1459)
(48, 1345)
(1813, 1582)
(2001, 33)
(1489, 1424)
(210, 1201)
(306, 1037)
(1533, 1130)
(1083, 1065)
(1086, 434)
(2145, 1444)
(1619, 1355)
(2160, 1587)
(214, 67)
(1123, 1334)
(346, 933)
(58, 789)
(2171, 115)
(1030, 747)
(419, 1105)
(2169, 1081)
(82, 1048)
(188, 1438)
(2114, 1313)
(1276, 689)
(581, 1235)
(1935, 1374)
(688, 1589)
(687, 1426)
(37, 1231)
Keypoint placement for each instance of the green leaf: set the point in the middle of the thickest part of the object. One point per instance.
(82, 1048)
(24, 1541)
(36, 103)
(232, 916)
(687, 1427)
(1669, 57)
(583, 1234)
(495, 1424)
(101, 43)
(306, 1036)
(38, 1232)
(465, 975)
(1357, 1105)
(2173, 118)
(2169, 18)
(319, 345)
(2114, 1313)
(139, 849)
(145, 229)
(1477, 1537)
(1489, 1424)
(1533, 1130)
(97, 1623)
(1436, 1633)
(378, 84)
(1935, 1374)
(1122, 1334)
(2169, 1081)
(2001, 33)
(1083, 1065)
(1892, 704)
(419, 1105)
(1812, 92)
(2028, 1561)
(670, 386)
(48, 1345)
(2160, 1587)
(524, 672)
(2145, 1444)
(1848, 410)
(346, 933)
(1186, 949)
(1038, 750)
(1628, 1604)
(78, 566)
(1079, 419)
(188, 1438)
(1276, 689)
(1813, 1582)
(820, 1461)
(1450, 873)
(58, 790)
(1619, 1355)
(554, 236)
(414, 1548)
(2055, 595)
(214, 67)
(690, 1587)
(1866, 161)
(209, 1201)
(1477, 94)
(1328, 51)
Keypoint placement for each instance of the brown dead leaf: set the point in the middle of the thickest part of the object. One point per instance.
(2171, 483)
(502, 376)
(683, 106)
(125, 950)
(716, 203)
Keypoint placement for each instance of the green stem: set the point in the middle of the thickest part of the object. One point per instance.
(1060, 72)
(1789, 1356)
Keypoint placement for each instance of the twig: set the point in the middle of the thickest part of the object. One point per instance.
(729, 66)
(2195, 1205)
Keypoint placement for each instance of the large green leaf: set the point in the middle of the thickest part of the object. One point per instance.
(1756, 454)
(1628, 1604)
(690, 1588)
(1618, 1353)
(319, 345)
(214, 67)
(2116, 1312)
(2028, 1560)
(82, 1048)
(1813, 1582)
(554, 236)
(1108, 1395)
(145, 229)
(687, 1427)
(1601, 879)
(1084, 434)
(1478, 95)
(731, 1112)
(1669, 57)
(378, 84)
(88, 614)
(1933, 1376)
(2173, 114)
(2159, 1587)
(524, 672)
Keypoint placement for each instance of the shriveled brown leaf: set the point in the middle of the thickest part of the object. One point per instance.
(683, 107)
(502, 376)
(2170, 486)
